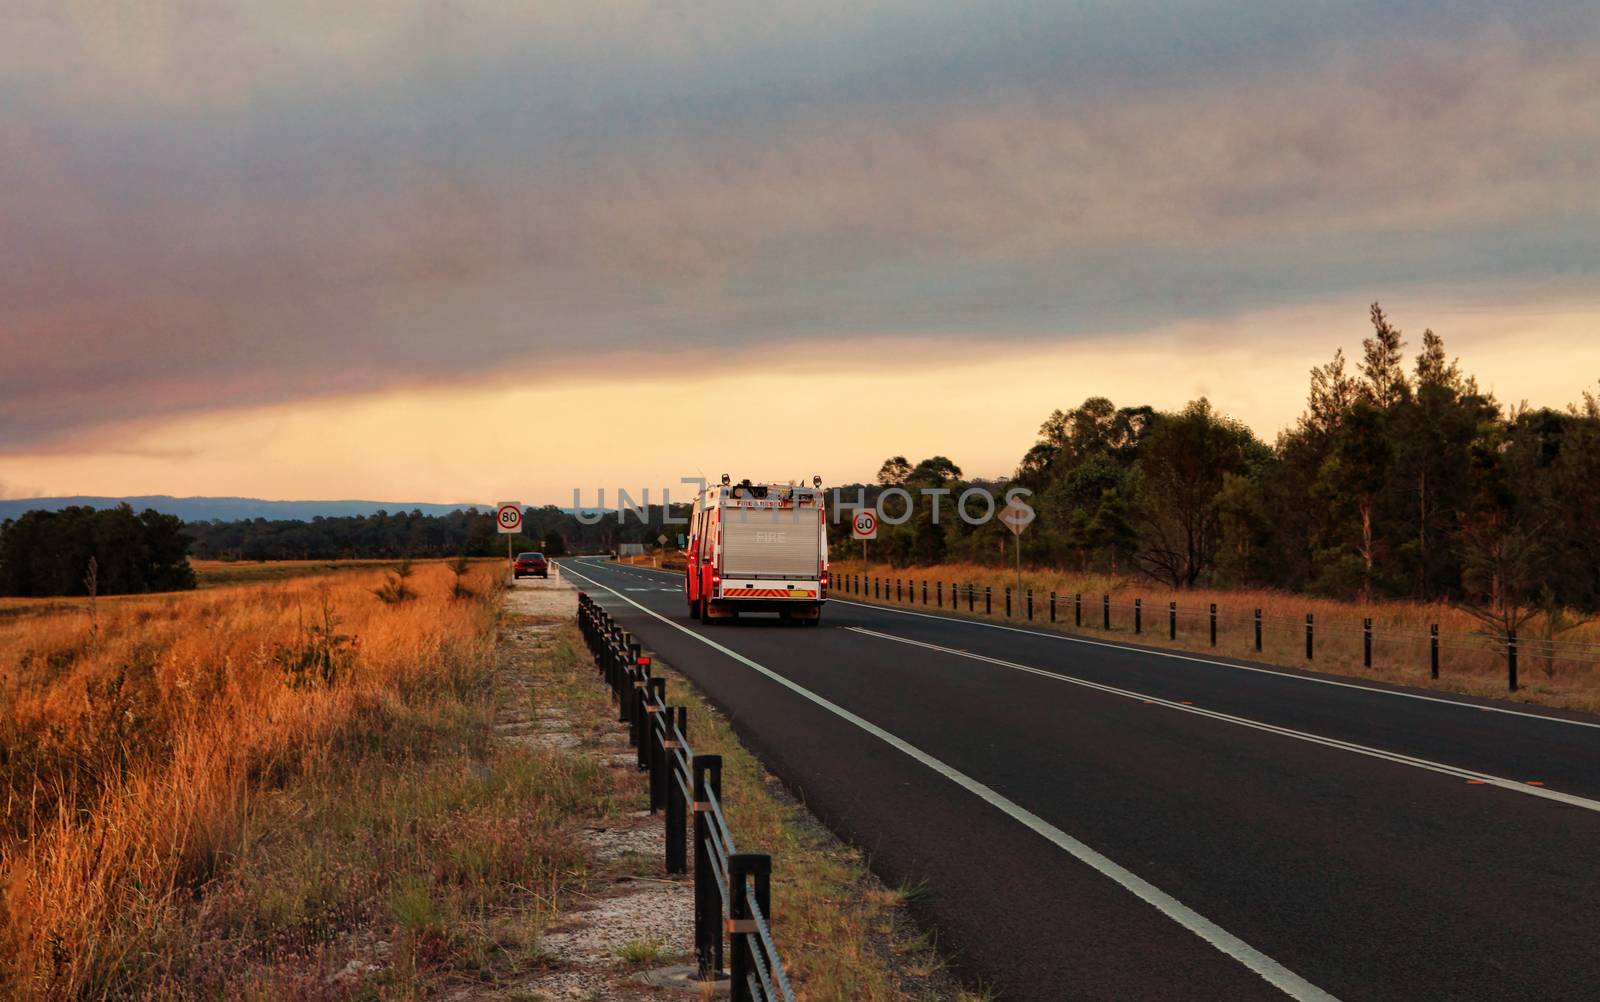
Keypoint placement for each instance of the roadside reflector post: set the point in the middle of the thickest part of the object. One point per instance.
(1008, 601)
(988, 600)
(655, 723)
(972, 598)
(1433, 650)
(1030, 605)
(707, 898)
(745, 869)
(1258, 631)
(1172, 621)
(924, 591)
(1052, 607)
(1213, 624)
(875, 592)
(1077, 609)
(1138, 616)
(938, 593)
(677, 803)
(1366, 642)
(1511, 660)
(1309, 648)
(1105, 608)
(897, 589)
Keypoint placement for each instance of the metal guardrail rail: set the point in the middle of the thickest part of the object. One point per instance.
(732, 889)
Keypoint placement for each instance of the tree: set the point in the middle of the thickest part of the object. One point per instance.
(1381, 363)
(1355, 475)
(48, 552)
(894, 471)
(1181, 468)
(1332, 393)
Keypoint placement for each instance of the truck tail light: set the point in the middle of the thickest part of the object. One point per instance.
(824, 582)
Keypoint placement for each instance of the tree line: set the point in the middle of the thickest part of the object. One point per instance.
(1402, 478)
(81, 551)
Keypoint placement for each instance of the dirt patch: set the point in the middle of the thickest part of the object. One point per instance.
(631, 917)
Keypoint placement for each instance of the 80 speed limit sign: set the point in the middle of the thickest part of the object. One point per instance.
(865, 525)
(508, 516)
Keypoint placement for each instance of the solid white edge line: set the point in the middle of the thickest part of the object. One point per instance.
(1350, 746)
(1274, 973)
(1157, 652)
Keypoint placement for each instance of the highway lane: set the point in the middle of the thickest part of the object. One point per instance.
(1353, 875)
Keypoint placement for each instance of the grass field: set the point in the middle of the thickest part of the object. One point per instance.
(176, 775)
(1561, 671)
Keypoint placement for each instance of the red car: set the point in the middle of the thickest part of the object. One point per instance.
(531, 564)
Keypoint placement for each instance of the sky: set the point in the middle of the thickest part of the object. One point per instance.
(460, 251)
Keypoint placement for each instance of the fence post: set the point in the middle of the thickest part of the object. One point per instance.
(988, 600)
(1008, 601)
(1077, 609)
(971, 598)
(1433, 651)
(707, 898)
(1052, 607)
(1366, 642)
(1138, 616)
(1258, 631)
(1030, 605)
(655, 723)
(938, 594)
(1172, 621)
(1309, 648)
(897, 589)
(622, 685)
(743, 867)
(1105, 609)
(1213, 624)
(875, 587)
(677, 805)
(1511, 660)
(924, 592)
(641, 722)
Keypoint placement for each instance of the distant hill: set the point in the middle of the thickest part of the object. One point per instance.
(233, 509)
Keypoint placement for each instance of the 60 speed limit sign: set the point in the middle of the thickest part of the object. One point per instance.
(508, 516)
(865, 525)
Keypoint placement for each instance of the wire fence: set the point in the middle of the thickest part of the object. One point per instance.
(1244, 632)
(732, 889)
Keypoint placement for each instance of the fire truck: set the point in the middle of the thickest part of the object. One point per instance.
(758, 548)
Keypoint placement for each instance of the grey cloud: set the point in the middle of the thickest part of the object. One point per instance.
(523, 192)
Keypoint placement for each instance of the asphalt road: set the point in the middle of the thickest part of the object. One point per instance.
(1092, 821)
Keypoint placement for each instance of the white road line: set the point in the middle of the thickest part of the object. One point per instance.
(1157, 652)
(1274, 973)
(1349, 746)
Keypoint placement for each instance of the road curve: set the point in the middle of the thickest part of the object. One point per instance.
(1093, 821)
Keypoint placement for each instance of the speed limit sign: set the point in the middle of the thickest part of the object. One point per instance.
(508, 516)
(865, 525)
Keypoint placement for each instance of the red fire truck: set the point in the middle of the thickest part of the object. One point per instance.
(758, 548)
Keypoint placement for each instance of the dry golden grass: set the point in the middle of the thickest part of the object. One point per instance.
(671, 561)
(1470, 661)
(135, 742)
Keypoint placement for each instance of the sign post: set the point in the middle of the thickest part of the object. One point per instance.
(661, 541)
(864, 527)
(1017, 515)
(508, 519)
